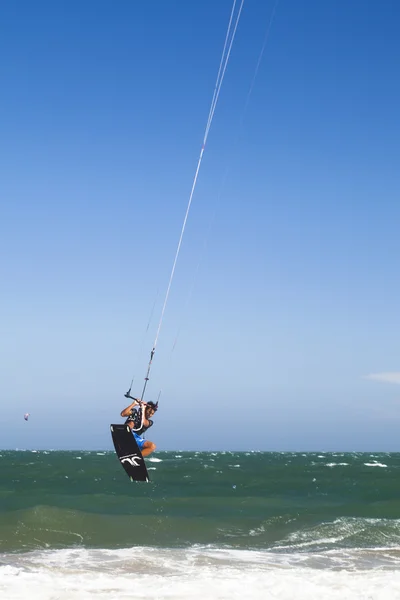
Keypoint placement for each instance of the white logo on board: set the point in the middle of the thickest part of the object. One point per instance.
(131, 459)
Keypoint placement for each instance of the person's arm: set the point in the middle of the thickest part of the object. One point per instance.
(127, 411)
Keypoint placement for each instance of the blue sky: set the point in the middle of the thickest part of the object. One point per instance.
(282, 327)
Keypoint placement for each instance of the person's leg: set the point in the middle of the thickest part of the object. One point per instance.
(148, 448)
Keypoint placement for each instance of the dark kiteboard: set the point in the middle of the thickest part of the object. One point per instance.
(128, 453)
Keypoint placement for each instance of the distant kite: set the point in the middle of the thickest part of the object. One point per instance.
(26, 416)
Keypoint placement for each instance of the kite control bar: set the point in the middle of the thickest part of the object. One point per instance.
(128, 395)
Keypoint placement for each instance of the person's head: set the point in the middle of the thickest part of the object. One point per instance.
(151, 408)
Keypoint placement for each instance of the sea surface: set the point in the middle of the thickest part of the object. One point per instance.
(216, 525)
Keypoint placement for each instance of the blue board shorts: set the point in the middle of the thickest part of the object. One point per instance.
(139, 440)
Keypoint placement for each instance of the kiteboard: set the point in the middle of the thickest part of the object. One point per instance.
(128, 453)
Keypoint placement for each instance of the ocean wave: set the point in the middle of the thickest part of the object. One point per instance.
(344, 532)
(196, 573)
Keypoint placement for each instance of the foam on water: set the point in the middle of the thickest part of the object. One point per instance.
(197, 573)
(344, 533)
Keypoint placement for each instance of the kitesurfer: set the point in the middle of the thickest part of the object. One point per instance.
(139, 415)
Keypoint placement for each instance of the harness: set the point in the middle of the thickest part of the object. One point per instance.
(137, 416)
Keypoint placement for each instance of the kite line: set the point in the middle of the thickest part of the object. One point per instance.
(226, 52)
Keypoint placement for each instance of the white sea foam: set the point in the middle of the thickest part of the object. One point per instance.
(257, 530)
(326, 537)
(192, 574)
(154, 459)
(375, 464)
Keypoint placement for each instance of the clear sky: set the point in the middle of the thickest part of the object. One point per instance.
(282, 328)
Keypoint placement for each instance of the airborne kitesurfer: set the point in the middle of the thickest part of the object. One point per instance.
(139, 415)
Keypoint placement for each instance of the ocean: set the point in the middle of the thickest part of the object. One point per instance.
(209, 525)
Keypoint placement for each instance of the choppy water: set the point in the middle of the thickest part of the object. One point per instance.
(216, 525)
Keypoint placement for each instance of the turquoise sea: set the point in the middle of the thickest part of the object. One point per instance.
(209, 525)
